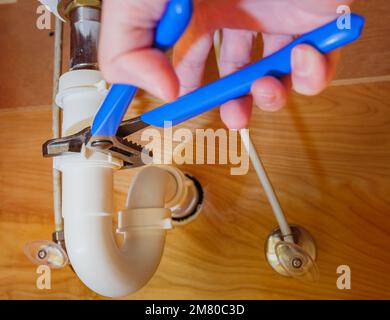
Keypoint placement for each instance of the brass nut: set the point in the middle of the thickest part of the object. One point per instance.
(65, 7)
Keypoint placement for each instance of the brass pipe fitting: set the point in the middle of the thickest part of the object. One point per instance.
(65, 7)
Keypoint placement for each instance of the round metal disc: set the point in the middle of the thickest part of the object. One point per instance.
(301, 237)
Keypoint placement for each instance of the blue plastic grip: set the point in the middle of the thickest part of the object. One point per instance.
(113, 109)
(172, 25)
(238, 84)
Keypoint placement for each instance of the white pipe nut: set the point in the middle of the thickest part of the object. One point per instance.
(81, 92)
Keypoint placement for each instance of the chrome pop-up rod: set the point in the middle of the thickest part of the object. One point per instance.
(85, 29)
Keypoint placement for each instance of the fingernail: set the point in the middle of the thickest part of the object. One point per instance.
(302, 62)
(268, 98)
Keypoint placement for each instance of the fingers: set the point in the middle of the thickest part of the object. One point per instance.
(269, 93)
(235, 114)
(311, 71)
(274, 42)
(125, 52)
(189, 59)
(236, 52)
(191, 52)
(191, 64)
(148, 69)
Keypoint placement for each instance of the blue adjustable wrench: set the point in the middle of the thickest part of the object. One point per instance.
(325, 39)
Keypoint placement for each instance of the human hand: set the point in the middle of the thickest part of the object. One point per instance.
(127, 36)
(126, 53)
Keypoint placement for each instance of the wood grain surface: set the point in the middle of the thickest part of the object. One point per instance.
(368, 57)
(328, 158)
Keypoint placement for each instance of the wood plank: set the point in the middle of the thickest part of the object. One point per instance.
(370, 56)
(26, 58)
(26, 62)
(328, 158)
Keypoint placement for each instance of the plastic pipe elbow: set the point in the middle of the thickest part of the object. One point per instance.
(104, 267)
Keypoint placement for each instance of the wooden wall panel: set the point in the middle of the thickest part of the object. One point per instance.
(370, 56)
(26, 57)
(328, 158)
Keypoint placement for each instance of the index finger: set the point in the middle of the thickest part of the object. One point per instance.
(126, 54)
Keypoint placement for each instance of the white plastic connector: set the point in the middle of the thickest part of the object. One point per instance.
(81, 93)
(186, 199)
(143, 219)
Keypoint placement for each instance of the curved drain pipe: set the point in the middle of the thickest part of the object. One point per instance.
(102, 265)
(107, 268)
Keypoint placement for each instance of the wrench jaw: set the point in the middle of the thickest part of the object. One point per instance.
(69, 144)
(132, 154)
